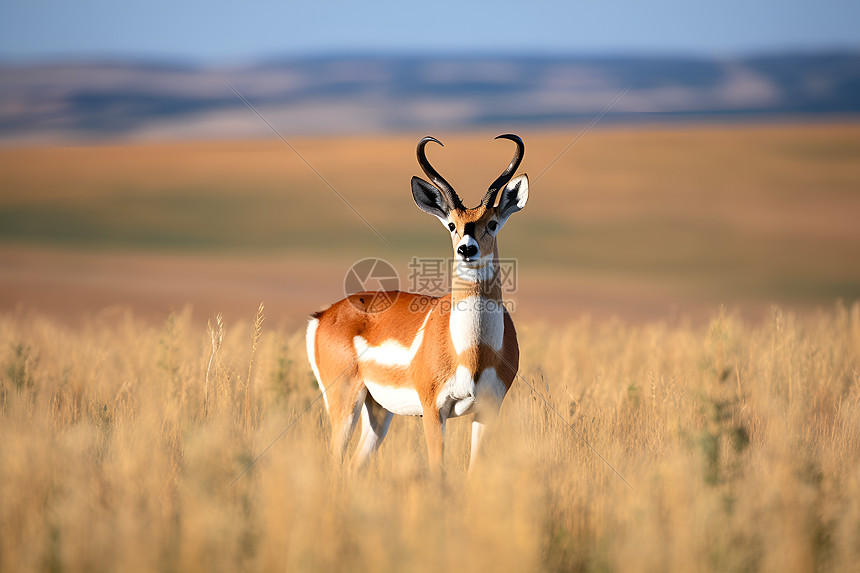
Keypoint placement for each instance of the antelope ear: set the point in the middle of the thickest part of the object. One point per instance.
(429, 199)
(513, 197)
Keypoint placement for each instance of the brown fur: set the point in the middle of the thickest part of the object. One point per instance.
(434, 364)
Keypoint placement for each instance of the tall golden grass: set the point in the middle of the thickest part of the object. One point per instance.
(741, 443)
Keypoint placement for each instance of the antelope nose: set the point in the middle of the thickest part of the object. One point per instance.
(467, 251)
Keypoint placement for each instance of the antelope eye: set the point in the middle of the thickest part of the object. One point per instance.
(492, 225)
(452, 226)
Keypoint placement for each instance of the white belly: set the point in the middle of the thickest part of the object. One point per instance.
(459, 396)
(399, 400)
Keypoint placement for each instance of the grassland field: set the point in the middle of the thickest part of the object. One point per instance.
(740, 443)
(688, 317)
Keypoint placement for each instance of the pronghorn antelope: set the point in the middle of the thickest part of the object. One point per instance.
(436, 357)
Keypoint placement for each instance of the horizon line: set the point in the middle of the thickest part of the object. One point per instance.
(134, 57)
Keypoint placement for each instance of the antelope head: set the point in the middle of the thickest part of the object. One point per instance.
(474, 232)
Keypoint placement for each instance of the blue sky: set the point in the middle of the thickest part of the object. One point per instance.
(215, 31)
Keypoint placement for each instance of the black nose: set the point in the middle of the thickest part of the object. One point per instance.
(467, 251)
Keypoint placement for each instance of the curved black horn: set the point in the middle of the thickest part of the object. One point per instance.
(435, 178)
(502, 180)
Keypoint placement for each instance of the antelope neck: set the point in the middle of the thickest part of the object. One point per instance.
(477, 316)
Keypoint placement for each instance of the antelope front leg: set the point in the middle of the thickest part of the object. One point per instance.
(433, 435)
(491, 392)
(482, 421)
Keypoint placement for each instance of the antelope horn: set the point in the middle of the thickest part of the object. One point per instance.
(502, 180)
(437, 180)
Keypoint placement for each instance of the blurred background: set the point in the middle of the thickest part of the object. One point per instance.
(681, 156)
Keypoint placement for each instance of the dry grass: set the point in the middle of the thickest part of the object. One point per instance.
(742, 443)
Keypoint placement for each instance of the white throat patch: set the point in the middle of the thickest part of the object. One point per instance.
(476, 320)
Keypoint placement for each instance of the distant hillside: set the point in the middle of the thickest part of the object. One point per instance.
(363, 94)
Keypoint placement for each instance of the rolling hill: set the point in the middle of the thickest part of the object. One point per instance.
(109, 100)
